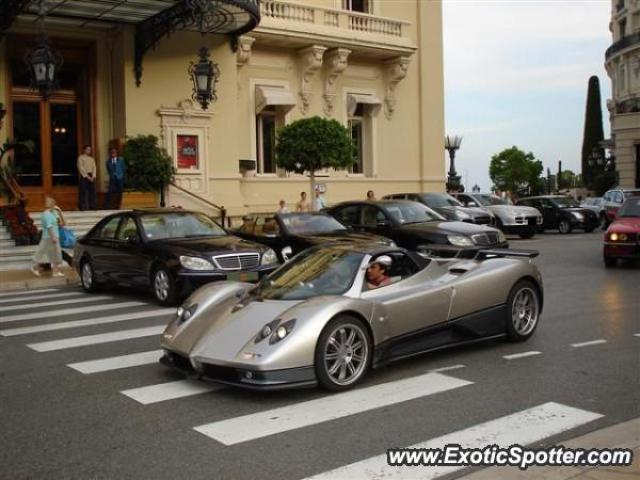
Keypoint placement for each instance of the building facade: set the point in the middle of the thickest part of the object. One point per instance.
(623, 67)
(374, 65)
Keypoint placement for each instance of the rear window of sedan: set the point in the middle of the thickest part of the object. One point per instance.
(179, 225)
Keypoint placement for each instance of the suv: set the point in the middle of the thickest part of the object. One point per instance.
(613, 199)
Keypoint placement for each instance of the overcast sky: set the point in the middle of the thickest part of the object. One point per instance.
(516, 73)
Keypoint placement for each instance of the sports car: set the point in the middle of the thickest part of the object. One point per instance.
(319, 319)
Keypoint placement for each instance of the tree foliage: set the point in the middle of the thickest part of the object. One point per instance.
(149, 167)
(593, 133)
(516, 171)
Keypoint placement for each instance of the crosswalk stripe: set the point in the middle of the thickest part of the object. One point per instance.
(96, 339)
(170, 391)
(521, 355)
(68, 311)
(262, 424)
(40, 297)
(587, 344)
(446, 369)
(117, 363)
(67, 301)
(86, 323)
(28, 292)
(521, 428)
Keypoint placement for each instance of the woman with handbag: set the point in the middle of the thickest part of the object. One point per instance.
(49, 250)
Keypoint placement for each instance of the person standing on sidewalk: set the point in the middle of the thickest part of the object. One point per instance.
(87, 187)
(49, 250)
(116, 168)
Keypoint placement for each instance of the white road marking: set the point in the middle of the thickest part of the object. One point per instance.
(446, 369)
(522, 428)
(87, 323)
(271, 422)
(117, 363)
(586, 344)
(170, 391)
(521, 355)
(636, 334)
(41, 297)
(96, 339)
(29, 292)
(67, 301)
(69, 311)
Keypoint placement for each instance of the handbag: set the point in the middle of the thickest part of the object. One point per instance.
(67, 238)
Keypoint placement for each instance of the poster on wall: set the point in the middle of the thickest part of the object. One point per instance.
(188, 152)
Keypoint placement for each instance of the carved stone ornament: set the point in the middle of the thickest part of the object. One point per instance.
(336, 63)
(310, 62)
(395, 71)
(243, 53)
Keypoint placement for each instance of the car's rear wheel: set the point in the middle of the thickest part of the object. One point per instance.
(343, 353)
(610, 262)
(164, 285)
(564, 226)
(88, 276)
(603, 221)
(523, 310)
(527, 235)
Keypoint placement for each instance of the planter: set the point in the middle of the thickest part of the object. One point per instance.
(139, 200)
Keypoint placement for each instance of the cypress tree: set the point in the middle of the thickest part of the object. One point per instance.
(593, 133)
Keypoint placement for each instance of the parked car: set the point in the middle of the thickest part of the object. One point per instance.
(614, 198)
(513, 219)
(596, 205)
(622, 240)
(170, 250)
(316, 320)
(290, 233)
(448, 207)
(563, 213)
(415, 226)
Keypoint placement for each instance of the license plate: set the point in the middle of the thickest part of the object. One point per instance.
(243, 276)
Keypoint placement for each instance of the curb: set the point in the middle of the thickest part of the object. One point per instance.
(17, 280)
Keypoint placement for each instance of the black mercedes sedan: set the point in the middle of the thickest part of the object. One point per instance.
(414, 226)
(563, 213)
(447, 206)
(172, 251)
(290, 233)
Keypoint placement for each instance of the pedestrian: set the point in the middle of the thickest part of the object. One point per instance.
(48, 250)
(87, 187)
(319, 202)
(116, 168)
(62, 223)
(282, 207)
(370, 195)
(303, 204)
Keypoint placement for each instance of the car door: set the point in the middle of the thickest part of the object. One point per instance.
(348, 215)
(374, 220)
(550, 213)
(103, 248)
(130, 262)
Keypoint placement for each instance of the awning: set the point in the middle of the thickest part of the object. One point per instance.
(372, 103)
(267, 96)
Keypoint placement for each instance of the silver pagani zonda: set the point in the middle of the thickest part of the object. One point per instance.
(318, 320)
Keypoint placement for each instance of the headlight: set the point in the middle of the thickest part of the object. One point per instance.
(501, 237)
(195, 263)
(267, 330)
(185, 313)
(269, 257)
(460, 240)
(618, 237)
(282, 331)
(463, 216)
(578, 215)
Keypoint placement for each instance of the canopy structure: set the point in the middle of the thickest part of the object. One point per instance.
(278, 97)
(153, 18)
(371, 101)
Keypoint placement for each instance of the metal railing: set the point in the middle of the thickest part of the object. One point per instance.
(224, 220)
(621, 44)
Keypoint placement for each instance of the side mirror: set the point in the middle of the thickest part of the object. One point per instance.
(287, 253)
(382, 224)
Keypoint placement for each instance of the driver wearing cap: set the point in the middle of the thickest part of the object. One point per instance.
(377, 272)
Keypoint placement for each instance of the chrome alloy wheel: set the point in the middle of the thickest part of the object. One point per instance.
(87, 275)
(346, 354)
(525, 311)
(161, 285)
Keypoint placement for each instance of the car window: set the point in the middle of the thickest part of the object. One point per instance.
(179, 225)
(127, 229)
(631, 208)
(349, 215)
(617, 197)
(464, 198)
(266, 226)
(402, 267)
(108, 230)
(607, 196)
(371, 216)
(412, 212)
(310, 223)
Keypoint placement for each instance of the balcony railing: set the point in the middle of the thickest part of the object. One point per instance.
(621, 44)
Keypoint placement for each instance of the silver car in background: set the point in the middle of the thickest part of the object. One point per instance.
(513, 219)
(596, 205)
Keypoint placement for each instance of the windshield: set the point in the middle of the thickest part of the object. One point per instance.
(306, 224)
(161, 226)
(313, 273)
(437, 200)
(488, 200)
(413, 212)
(565, 202)
(631, 208)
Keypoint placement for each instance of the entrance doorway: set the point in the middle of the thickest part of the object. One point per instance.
(58, 128)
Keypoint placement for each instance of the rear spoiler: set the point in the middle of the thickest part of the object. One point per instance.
(506, 252)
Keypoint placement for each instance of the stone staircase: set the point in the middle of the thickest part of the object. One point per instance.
(19, 258)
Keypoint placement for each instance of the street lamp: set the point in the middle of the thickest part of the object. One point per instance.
(204, 75)
(452, 144)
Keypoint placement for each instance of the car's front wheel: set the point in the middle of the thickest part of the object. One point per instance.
(88, 276)
(164, 286)
(343, 353)
(564, 226)
(523, 310)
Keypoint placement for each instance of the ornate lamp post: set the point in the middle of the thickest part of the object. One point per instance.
(452, 144)
(204, 75)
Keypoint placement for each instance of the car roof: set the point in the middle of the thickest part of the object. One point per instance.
(384, 201)
(366, 247)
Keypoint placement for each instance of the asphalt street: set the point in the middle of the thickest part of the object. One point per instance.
(83, 397)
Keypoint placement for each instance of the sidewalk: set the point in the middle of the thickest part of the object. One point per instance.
(622, 435)
(15, 280)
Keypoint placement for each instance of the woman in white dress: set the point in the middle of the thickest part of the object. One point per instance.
(49, 250)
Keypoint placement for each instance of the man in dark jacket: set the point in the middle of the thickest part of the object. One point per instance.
(116, 168)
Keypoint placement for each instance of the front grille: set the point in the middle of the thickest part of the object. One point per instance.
(520, 220)
(485, 239)
(239, 261)
(532, 221)
(218, 372)
(486, 220)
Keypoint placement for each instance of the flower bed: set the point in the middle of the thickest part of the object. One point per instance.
(20, 225)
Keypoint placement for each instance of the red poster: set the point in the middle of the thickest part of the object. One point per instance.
(187, 152)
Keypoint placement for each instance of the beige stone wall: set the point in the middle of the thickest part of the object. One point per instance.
(627, 131)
